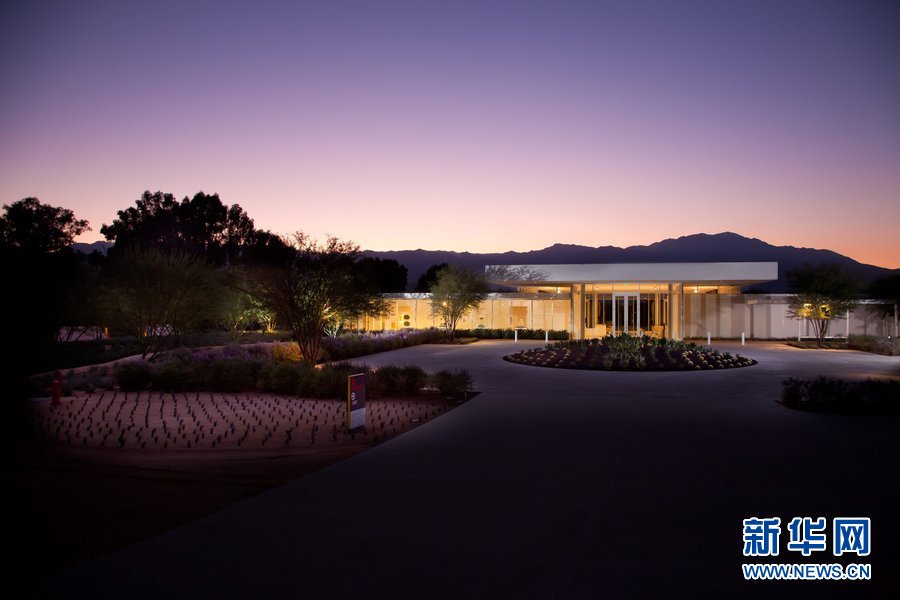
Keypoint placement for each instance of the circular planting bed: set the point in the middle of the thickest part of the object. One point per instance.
(629, 353)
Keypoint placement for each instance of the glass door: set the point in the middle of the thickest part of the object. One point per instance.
(626, 314)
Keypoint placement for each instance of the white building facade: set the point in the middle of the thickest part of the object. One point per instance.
(673, 300)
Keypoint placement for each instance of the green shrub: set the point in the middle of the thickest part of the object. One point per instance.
(331, 380)
(624, 348)
(228, 375)
(280, 378)
(875, 344)
(387, 380)
(452, 382)
(413, 380)
(172, 377)
(134, 376)
(286, 352)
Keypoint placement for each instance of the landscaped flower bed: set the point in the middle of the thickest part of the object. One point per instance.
(629, 353)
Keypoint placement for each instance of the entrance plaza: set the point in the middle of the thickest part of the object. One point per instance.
(551, 483)
(673, 300)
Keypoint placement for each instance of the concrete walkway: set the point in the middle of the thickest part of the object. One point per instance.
(551, 484)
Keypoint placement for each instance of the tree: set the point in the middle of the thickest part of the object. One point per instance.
(822, 293)
(155, 295)
(427, 279)
(313, 284)
(385, 275)
(456, 292)
(33, 228)
(239, 310)
(41, 272)
(201, 225)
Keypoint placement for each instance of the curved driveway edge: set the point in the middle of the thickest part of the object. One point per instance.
(552, 483)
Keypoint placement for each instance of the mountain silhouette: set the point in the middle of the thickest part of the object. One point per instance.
(701, 247)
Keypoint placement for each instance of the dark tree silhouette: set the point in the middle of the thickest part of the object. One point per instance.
(31, 227)
(427, 279)
(384, 274)
(201, 225)
(314, 284)
(42, 272)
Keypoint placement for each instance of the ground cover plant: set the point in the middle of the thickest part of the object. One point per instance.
(352, 345)
(274, 368)
(348, 345)
(629, 353)
(887, 346)
(826, 394)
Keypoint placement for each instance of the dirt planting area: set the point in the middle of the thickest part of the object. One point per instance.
(108, 469)
(184, 421)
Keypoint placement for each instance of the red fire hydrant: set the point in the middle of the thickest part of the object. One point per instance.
(56, 389)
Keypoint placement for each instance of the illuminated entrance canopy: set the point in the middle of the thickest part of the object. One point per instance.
(636, 298)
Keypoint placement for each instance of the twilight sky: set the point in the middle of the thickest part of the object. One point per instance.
(481, 126)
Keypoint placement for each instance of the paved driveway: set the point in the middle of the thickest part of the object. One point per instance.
(551, 484)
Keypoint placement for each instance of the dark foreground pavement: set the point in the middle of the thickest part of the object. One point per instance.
(551, 484)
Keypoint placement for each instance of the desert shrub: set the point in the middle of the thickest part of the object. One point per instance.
(352, 345)
(134, 376)
(826, 394)
(172, 377)
(306, 380)
(391, 380)
(639, 362)
(413, 380)
(227, 375)
(875, 344)
(286, 352)
(452, 382)
(330, 381)
(624, 348)
(280, 378)
(627, 352)
(88, 381)
(387, 380)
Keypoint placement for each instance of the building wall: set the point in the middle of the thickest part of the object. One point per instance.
(765, 316)
(529, 311)
(757, 316)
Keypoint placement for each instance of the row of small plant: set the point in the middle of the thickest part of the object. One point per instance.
(351, 345)
(826, 394)
(629, 353)
(286, 378)
(274, 368)
(508, 334)
(886, 345)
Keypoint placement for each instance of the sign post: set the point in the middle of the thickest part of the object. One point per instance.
(356, 401)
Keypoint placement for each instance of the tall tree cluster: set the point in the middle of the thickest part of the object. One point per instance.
(177, 266)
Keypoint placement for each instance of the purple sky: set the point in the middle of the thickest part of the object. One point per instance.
(481, 126)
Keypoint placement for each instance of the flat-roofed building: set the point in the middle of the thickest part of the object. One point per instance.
(673, 300)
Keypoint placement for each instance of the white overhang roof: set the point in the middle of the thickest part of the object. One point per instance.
(708, 273)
